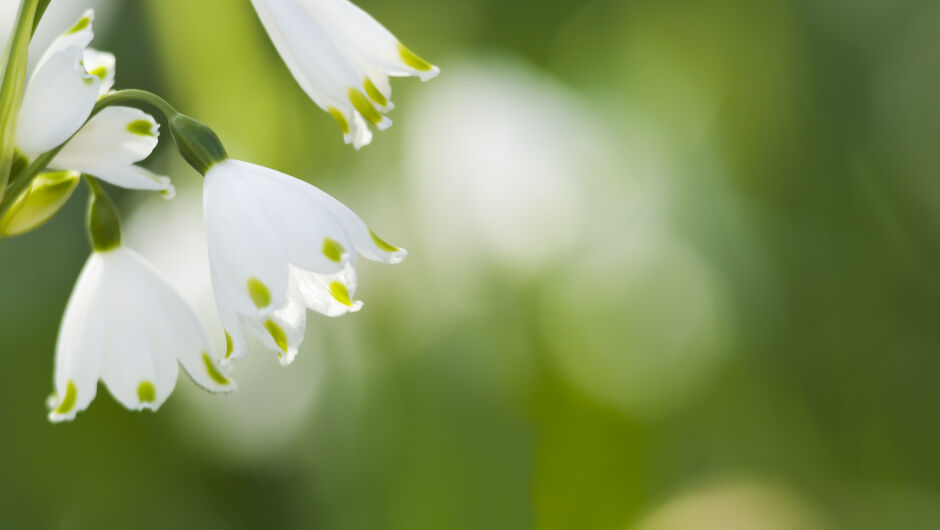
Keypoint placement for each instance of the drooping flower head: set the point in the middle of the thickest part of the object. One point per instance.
(342, 58)
(124, 324)
(277, 247)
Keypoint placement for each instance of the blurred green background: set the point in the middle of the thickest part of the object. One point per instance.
(672, 266)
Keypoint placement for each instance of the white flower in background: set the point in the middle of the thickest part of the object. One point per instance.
(278, 246)
(342, 58)
(125, 325)
(59, 97)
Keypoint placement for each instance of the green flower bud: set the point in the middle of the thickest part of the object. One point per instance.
(198, 144)
(47, 194)
(104, 223)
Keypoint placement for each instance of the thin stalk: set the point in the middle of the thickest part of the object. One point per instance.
(12, 80)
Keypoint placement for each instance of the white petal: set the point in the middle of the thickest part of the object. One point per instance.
(372, 43)
(236, 343)
(283, 331)
(359, 135)
(174, 323)
(329, 294)
(311, 56)
(312, 237)
(79, 35)
(248, 261)
(367, 242)
(135, 178)
(57, 101)
(116, 136)
(140, 367)
(81, 342)
(102, 65)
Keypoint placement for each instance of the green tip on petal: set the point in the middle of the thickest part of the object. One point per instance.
(374, 93)
(229, 345)
(412, 59)
(141, 127)
(80, 25)
(259, 293)
(340, 293)
(382, 244)
(68, 402)
(340, 119)
(364, 106)
(333, 250)
(214, 372)
(277, 333)
(146, 392)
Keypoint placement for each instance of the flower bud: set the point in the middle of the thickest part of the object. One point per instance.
(104, 223)
(47, 194)
(198, 144)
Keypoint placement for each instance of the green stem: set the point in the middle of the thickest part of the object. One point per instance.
(40, 11)
(12, 81)
(198, 144)
(135, 96)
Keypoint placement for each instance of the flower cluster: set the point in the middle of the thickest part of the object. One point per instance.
(277, 245)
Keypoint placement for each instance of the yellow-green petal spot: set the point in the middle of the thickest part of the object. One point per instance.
(47, 194)
(213, 372)
(374, 93)
(101, 72)
(68, 402)
(339, 292)
(412, 60)
(259, 293)
(381, 243)
(80, 25)
(141, 127)
(277, 333)
(333, 250)
(146, 392)
(364, 106)
(340, 119)
(229, 345)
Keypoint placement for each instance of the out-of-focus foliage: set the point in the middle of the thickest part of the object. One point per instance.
(672, 266)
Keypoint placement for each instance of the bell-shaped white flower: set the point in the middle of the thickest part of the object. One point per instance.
(342, 58)
(59, 97)
(277, 247)
(125, 325)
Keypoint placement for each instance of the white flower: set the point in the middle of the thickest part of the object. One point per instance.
(59, 97)
(277, 247)
(342, 58)
(110, 144)
(124, 324)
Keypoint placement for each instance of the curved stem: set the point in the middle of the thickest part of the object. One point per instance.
(133, 95)
(21, 181)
